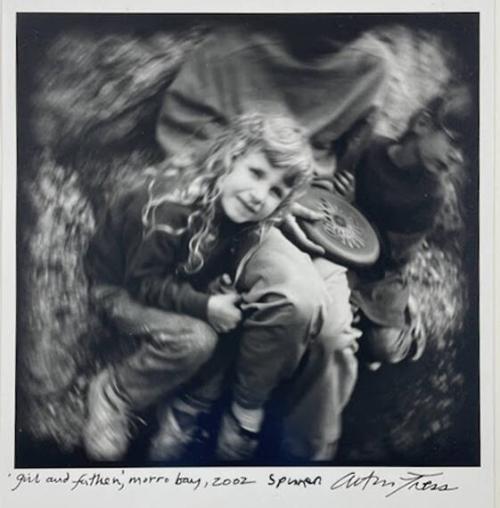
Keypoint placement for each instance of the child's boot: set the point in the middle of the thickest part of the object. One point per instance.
(179, 427)
(107, 432)
(239, 435)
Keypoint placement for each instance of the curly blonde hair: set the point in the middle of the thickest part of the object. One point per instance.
(282, 141)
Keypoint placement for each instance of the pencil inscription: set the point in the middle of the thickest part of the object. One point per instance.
(411, 481)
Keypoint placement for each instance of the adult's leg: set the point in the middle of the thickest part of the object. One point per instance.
(284, 302)
(175, 346)
(326, 377)
(173, 349)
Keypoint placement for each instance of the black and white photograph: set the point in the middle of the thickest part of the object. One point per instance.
(249, 240)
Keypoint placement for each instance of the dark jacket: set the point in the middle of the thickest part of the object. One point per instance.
(402, 204)
(148, 265)
(396, 200)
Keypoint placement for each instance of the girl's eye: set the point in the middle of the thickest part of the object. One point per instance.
(278, 192)
(258, 173)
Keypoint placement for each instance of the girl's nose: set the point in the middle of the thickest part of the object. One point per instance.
(258, 194)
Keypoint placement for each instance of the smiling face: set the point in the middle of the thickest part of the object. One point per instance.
(254, 189)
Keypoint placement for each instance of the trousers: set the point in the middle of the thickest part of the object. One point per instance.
(173, 346)
(295, 314)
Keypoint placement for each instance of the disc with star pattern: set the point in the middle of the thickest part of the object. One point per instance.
(344, 232)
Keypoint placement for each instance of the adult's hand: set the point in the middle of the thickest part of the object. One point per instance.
(296, 233)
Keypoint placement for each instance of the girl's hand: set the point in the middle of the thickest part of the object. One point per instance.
(294, 231)
(223, 312)
(345, 185)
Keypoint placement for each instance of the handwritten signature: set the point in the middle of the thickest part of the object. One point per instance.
(411, 481)
(356, 481)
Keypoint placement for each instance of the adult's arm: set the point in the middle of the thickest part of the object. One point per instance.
(236, 71)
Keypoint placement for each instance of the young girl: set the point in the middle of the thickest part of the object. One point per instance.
(157, 250)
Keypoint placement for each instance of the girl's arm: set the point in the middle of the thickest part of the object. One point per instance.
(155, 283)
(152, 279)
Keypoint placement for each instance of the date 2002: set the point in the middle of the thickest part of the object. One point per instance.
(218, 481)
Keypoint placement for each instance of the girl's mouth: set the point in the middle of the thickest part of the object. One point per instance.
(247, 207)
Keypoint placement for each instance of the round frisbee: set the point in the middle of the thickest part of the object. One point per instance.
(343, 231)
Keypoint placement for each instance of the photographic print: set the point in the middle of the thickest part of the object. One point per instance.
(248, 241)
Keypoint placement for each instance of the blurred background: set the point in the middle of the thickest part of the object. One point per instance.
(89, 90)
